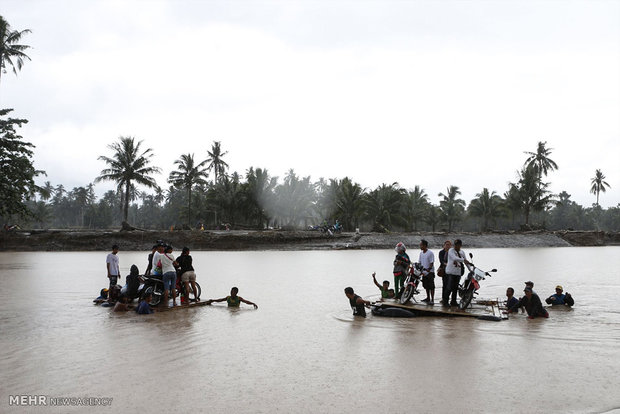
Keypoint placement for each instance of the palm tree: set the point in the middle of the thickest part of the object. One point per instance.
(45, 192)
(383, 206)
(451, 206)
(599, 184)
(433, 216)
(487, 206)
(187, 176)
(216, 163)
(126, 166)
(11, 53)
(349, 201)
(529, 193)
(540, 160)
(416, 204)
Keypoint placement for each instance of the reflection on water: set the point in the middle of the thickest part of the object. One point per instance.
(302, 350)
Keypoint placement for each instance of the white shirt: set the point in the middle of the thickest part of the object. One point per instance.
(112, 259)
(166, 262)
(427, 260)
(452, 269)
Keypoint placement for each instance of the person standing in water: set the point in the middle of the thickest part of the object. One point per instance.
(112, 264)
(511, 301)
(532, 304)
(233, 300)
(357, 303)
(559, 298)
(401, 267)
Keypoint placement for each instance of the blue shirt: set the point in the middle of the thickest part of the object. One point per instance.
(144, 308)
(511, 302)
(559, 299)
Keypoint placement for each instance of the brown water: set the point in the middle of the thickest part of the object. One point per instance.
(302, 351)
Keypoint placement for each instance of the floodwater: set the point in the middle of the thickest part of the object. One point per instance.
(302, 350)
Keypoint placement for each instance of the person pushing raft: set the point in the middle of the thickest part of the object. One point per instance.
(357, 303)
(233, 300)
(560, 298)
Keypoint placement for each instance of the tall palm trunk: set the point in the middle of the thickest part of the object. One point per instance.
(189, 207)
(126, 206)
(215, 187)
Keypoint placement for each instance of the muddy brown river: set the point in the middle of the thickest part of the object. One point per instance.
(302, 351)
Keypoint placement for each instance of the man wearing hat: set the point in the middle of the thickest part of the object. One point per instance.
(559, 298)
(530, 284)
(532, 304)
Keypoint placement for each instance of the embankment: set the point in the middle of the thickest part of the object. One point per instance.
(63, 240)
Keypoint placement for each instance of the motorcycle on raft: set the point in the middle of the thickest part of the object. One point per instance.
(470, 286)
(154, 285)
(410, 288)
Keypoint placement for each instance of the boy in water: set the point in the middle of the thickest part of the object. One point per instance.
(357, 303)
(386, 292)
(401, 266)
(511, 301)
(233, 300)
(143, 307)
(122, 304)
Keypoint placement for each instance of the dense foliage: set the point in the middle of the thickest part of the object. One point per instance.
(258, 200)
(16, 167)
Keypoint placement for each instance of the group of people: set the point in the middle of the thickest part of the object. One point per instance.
(162, 265)
(452, 261)
(531, 302)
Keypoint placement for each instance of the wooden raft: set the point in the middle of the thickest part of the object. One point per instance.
(483, 309)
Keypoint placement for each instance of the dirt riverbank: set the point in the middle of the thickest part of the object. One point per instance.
(64, 240)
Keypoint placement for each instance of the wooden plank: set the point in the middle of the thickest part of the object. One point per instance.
(160, 308)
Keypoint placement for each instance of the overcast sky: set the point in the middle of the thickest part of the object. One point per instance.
(429, 93)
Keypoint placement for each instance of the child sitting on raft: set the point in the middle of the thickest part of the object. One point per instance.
(386, 292)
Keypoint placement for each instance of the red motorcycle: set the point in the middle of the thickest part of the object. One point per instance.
(471, 285)
(414, 275)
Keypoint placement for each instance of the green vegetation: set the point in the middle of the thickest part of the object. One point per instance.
(598, 184)
(257, 200)
(11, 53)
(16, 167)
(126, 167)
(188, 175)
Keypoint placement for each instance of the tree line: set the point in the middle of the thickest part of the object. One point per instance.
(255, 199)
(204, 192)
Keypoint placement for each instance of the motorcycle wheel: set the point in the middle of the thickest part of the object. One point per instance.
(156, 298)
(466, 299)
(406, 295)
(190, 294)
